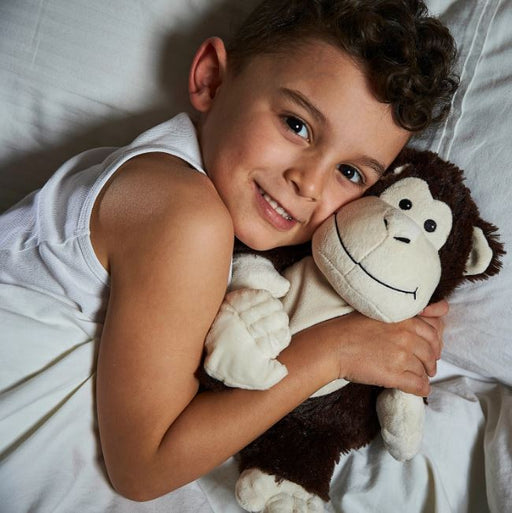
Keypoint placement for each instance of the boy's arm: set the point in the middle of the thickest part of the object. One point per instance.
(166, 239)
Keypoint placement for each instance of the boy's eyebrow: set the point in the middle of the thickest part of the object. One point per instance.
(298, 98)
(374, 164)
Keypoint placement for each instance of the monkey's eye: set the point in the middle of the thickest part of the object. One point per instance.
(405, 204)
(430, 225)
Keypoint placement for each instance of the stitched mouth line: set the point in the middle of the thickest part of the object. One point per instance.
(412, 293)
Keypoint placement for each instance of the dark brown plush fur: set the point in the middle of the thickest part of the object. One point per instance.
(305, 446)
(307, 443)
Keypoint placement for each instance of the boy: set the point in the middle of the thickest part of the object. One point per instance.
(302, 112)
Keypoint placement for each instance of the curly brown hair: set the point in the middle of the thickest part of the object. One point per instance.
(407, 55)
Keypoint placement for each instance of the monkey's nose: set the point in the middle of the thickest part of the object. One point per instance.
(401, 227)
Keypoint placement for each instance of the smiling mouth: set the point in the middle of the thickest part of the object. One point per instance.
(412, 293)
(275, 205)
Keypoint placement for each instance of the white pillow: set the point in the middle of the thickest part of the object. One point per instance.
(477, 138)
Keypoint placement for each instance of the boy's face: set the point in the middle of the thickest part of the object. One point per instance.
(292, 138)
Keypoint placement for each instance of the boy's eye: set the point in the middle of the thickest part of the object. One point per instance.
(350, 173)
(297, 126)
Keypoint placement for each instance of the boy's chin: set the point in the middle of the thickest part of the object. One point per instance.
(255, 244)
(255, 240)
(264, 242)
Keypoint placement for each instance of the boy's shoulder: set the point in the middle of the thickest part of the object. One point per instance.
(165, 182)
(154, 197)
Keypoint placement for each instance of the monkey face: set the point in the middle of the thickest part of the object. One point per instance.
(381, 254)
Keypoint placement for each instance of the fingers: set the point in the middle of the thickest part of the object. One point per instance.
(417, 347)
(426, 347)
(406, 381)
(438, 326)
(438, 309)
(416, 360)
(429, 347)
(433, 315)
(422, 366)
(414, 384)
(411, 373)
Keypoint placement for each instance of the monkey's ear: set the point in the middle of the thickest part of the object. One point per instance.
(480, 255)
(484, 258)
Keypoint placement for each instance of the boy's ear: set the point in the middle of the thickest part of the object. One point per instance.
(207, 73)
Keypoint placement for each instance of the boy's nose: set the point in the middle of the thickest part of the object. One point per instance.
(308, 180)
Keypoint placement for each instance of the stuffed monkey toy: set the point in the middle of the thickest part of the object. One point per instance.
(411, 240)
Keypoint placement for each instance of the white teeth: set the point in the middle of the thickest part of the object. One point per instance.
(275, 205)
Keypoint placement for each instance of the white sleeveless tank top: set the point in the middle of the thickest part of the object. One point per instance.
(45, 241)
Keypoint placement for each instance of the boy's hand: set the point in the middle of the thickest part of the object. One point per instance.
(434, 315)
(393, 355)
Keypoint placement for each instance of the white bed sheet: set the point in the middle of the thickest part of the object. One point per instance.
(82, 73)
